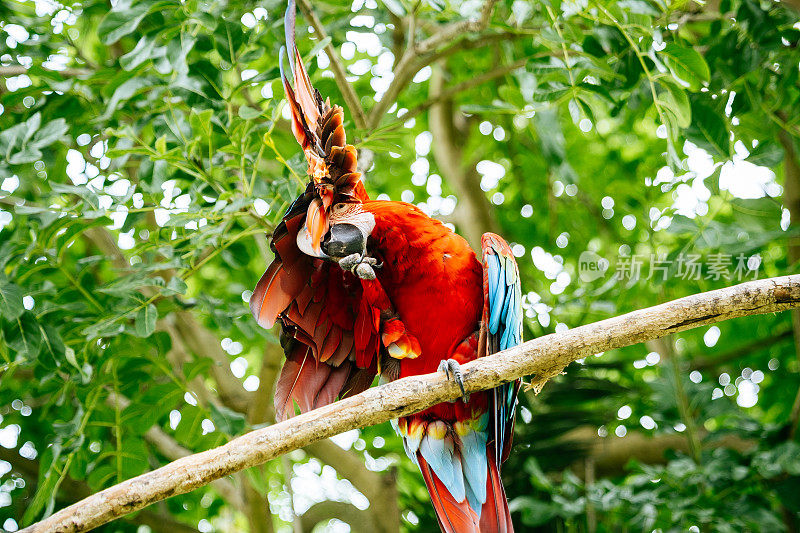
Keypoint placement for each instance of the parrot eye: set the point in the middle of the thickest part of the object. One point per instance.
(338, 208)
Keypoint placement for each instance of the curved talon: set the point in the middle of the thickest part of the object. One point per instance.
(452, 370)
(359, 265)
(364, 271)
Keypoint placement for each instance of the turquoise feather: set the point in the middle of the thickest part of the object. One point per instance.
(439, 454)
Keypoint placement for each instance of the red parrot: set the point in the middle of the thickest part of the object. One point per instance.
(367, 288)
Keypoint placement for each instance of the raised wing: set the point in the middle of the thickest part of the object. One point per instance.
(338, 331)
(501, 328)
(336, 328)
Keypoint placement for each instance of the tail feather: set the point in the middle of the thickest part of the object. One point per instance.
(453, 516)
(495, 516)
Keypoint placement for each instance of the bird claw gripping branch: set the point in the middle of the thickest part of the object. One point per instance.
(452, 371)
(431, 304)
(360, 265)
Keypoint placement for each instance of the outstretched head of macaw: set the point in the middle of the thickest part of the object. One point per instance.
(335, 224)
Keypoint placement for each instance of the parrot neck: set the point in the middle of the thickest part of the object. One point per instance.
(406, 240)
(430, 274)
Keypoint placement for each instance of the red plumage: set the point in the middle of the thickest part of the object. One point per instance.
(430, 299)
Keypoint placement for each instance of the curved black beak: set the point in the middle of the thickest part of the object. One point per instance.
(344, 239)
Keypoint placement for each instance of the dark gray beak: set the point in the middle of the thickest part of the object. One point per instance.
(344, 239)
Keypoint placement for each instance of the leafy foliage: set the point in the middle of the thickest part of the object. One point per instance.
(145, 155)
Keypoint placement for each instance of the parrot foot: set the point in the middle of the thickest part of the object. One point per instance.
(360, 265)
(452, 370)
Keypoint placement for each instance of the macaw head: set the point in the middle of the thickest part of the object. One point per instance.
(335, 185)
(350, 227)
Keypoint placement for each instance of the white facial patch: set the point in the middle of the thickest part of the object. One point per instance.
(354, 214)
(304, 243)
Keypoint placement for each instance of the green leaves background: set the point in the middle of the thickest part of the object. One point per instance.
(138, 185)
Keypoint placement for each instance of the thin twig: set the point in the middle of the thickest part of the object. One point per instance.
(417, 55)
(465, 86)
(16, 70)
(350, 97)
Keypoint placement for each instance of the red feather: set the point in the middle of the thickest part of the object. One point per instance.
(453, 516)
(495, 516)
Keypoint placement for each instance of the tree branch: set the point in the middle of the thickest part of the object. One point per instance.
(611, 454)
(72, 489)
(464, 86)
(359, 521)
(456, 29)
(543, 358)
(705, 363)
(16, 70)
(380, 488)
(475, 214)
(348, 93)
(417, 55)
(204, 343)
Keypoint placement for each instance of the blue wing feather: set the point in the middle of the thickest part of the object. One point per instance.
(440, 456)
(496, 293)
(503, 315)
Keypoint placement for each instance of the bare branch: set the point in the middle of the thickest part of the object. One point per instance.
(16, 70)
(610, 455)
(350, 97)
(456, 29)
(543, 358)
(475, 214)
(464, 86)
(72, 489)
(714, 361)
(204, 343)
(380, 488)
(358, 520)
(417, 55)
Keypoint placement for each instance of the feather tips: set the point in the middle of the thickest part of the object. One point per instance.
(454, 516)
(461, 476)
(495, 515)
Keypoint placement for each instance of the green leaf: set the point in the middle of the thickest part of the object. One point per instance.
(175, 286)
(675, 100)
(122, 93)
(226, 420)
(120, 22)
(10, 301)
(248, 113)
(395, 7)
(25, 337)
(50, 133)
(200, 121)
(141, 53)
(146, 321)
(767, 154)
(686, 64)
(161, 144)
(709, 130)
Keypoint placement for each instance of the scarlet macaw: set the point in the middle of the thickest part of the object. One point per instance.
(365, 288)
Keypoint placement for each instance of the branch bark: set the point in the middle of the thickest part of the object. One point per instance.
(475, 213)
(609, 455)
(543, 358)
(380, 488)
(16, 70)
(346, 512)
